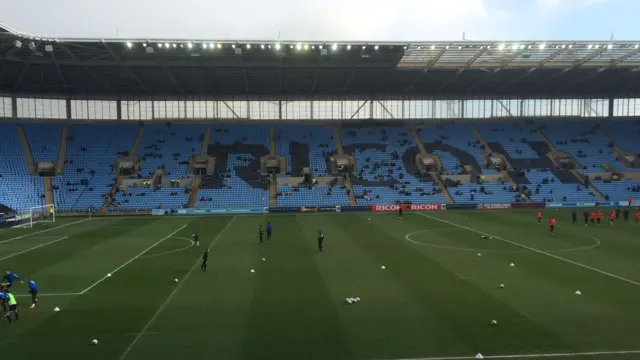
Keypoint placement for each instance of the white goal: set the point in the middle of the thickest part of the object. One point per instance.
(37, 214)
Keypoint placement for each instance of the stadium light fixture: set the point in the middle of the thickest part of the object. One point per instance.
(190, 45)
(219, 46)
(129, 45)
(501, 47)
(166, 45)
(269, 46)
(299, 47)
(334, 47)
(597, 46)
(610, 46)
(212, 46)
(248, 46)
(204, 46)
(364, 47)
(233, 46)
(175, 46)
(542, 46)
(144, 44)
(636, 46)
(348, 47)
(320, 47)
(589, 46)
(306, 47)
(405, 48)
(447, 47)
(261, 46)
(375, 47)
(459, 47)
(277, 46)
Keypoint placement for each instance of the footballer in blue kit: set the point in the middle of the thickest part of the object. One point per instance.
(8, 280)
(4, 298)
(33, 290)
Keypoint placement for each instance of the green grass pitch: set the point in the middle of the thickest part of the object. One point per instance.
(435, 299)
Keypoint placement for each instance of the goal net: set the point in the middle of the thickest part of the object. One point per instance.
(37, 214)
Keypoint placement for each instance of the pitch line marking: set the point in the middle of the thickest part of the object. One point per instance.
(54, 294)
(534, 250)
(528, 356)
(171, 295)
(33, 248)
(42, 231)
(132, 259)
(408, 238)
(193, 243)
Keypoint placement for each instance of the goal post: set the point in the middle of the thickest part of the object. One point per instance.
(45, 213)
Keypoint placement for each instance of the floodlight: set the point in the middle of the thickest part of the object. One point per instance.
(375, 47)
(306, 47)
(189, 45)
(610, 46)
(211, 46)
(501, 47)
(334, 47)
(166, 45)
(636, 46)
(144, 44)
(129, 45)
(348, 47)
(447, 47)
(364, 47)
(204, 46)
(320, 47)
(597, 46)
(542, 46)
(233, 46)
(160, 45)
(17, 43)
(248, 46)
(277, 46)
(219, 46)
(405, 48)
(589, 46)
(262, 46)
(175, 46)
(182, 46)
(570, 46)
(459, 47)
(299, 47)
(433, 47)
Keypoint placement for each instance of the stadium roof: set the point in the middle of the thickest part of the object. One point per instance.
(33, 64)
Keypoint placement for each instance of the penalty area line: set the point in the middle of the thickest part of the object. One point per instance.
(602, 272)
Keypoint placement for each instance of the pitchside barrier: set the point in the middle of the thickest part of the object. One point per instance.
(392, 208)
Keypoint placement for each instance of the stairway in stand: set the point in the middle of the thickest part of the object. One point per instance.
(434, 175)
(195, 187)
(337, 136)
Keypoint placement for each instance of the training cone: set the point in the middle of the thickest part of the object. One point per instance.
(479, 356)
(501, 286)
(494, 322)
(578, 292)
(56, 309)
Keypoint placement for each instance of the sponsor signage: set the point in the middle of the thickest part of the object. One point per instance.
(408, 207)
(209, 211)
(528, 205)
(493, 206)
(461, 206)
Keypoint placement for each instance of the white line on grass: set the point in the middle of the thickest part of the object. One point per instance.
(133, 258)
(528, 356)
(171, 295)
(534, 250)
(42, 231)
(54, 294)
(33, 248)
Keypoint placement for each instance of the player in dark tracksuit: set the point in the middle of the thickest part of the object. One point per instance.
(625, 215)
(574, 217)
(400, 212)
(205, 259)
(269, 229)
(320, 241)
(261, 233)
(585, 215)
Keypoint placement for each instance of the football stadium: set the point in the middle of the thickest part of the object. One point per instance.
(234, 199)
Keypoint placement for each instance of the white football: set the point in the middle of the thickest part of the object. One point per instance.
(357, 299)
(383, 267)
(109, 275)
(176, 280)
(348, 300)
(493, 322)
(94, 342)
(369, 218)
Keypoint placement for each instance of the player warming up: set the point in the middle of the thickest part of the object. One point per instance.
(539, 216)
(205, 259)
(8, 280)
(574, 218)
(552, 225)
(261, 233)
(320, 241)
(4, 298)
(400, 212)
(13, 307)
(269, 229)
(196, 239)
(612, 217)
(33, 290)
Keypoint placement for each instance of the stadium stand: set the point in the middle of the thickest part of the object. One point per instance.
(18, 189)
(237, 182)
(385, 167)
(91, 152)
(307, 146)
(44, 140)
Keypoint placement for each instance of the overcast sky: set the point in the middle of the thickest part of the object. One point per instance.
(398, 20)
